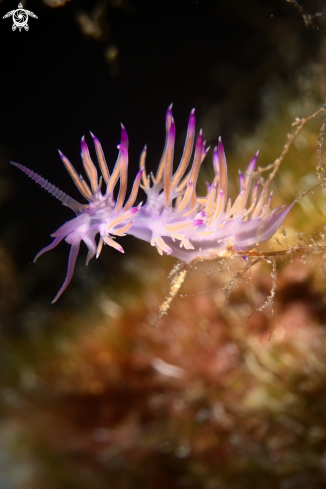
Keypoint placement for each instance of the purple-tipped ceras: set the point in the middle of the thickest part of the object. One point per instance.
(173, 219)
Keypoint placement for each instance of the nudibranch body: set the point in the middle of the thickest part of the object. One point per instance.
(173, 218)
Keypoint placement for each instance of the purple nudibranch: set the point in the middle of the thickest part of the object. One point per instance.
(173, 219)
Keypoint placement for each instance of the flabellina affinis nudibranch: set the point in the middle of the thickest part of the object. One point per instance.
(173, 218)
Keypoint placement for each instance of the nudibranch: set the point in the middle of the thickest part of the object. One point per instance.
(173, 218)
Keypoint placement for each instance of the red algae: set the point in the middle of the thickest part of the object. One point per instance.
(208, 398)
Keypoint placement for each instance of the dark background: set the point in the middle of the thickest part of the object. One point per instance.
(221, 57)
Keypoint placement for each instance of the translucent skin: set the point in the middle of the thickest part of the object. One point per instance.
(236, 234)
(173, 218)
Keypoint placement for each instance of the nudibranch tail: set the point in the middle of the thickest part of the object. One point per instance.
(173, 218)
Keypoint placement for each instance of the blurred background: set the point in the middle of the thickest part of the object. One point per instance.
(216, 396)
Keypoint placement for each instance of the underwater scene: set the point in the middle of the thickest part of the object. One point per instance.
(163, 244)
